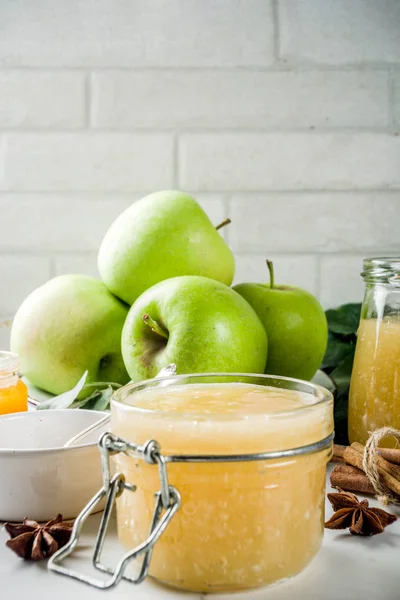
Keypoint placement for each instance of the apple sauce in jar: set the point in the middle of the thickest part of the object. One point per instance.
(374, 397)
(241, 524)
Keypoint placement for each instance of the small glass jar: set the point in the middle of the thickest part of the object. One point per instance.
(13, 391)
(374, 397)
(241, 524)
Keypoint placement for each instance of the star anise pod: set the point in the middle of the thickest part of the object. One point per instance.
(357, 516)
(35, 542)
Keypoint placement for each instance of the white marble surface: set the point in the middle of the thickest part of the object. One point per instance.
(346, 568)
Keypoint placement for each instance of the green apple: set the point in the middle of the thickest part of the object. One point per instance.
(295, 324)
(163, 235)
(69, 325)
(199, 324)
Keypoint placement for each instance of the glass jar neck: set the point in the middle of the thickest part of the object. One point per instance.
(9, 367)
(382, 270)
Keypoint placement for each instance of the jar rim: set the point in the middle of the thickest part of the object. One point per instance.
(9, 363)
(382, 269)
(320, 394)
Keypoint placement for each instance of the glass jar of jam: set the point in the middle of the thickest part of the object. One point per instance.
(242, 523)
(374, 398)
(13, 391)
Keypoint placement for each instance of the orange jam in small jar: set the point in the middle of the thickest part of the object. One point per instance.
(13, 391)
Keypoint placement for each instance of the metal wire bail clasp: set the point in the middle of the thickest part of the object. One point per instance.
(167, 503)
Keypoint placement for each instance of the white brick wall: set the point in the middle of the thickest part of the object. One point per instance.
(282, 114)
(340, 32)
(19, 275)
(337, 279)
(42, 100)
(239, 99)
(315, 222)
(134, 33)
(87, 161)
(263, 161)
(396, 99)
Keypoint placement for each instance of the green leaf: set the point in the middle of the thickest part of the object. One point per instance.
(99, 400)
(342, 373)
(66, 399)
(340, 410)
(340, 418)
(99, 385)
(81, 403)
(345, 319)
(336, 351)
(338, 360)
(103, 402)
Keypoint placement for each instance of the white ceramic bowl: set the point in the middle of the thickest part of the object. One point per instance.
(38, 477)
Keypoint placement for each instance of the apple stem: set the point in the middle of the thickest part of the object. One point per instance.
(154, 326)
(223, 223)
(270, 266)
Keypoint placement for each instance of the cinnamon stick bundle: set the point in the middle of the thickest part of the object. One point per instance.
(338, 452)
(351, 479)
(390, 454)
(349, 474)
